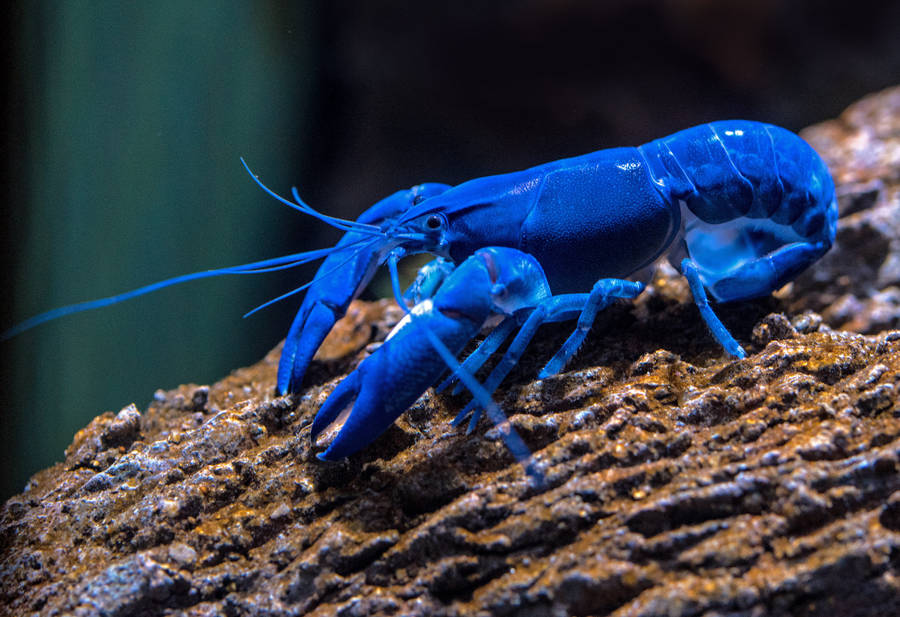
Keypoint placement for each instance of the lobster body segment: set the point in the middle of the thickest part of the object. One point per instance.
(604, 208)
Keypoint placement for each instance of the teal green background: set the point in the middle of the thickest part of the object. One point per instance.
(126, 171)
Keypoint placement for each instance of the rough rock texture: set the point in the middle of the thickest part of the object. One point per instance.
(679, 482)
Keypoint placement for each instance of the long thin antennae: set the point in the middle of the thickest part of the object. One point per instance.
(281, 263)
(301, 206)
(334, 221)
(257, 267)
(318, 277)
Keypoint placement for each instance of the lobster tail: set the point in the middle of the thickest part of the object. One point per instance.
(732, 169)
(750, 192)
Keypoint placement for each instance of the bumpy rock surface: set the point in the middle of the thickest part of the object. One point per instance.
(679, 482)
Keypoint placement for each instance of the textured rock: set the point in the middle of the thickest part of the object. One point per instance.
(679, 482)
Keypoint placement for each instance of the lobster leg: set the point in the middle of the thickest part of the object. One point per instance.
(756, 277)
(716, 327)
(485, 350)
(603, 292)
(556, 308)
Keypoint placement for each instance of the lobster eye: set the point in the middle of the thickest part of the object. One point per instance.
(434, 222)
(418, 199)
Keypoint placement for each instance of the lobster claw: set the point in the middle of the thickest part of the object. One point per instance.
(326, 301)
(384, 385)
(340, 278)
(389, 381)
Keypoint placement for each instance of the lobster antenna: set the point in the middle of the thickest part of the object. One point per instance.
(511, 438)
(257, 267)
(301, 206)
(318, 277)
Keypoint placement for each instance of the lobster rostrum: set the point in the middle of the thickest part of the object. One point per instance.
(739, 207)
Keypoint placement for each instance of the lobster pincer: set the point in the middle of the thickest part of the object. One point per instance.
(494, 281)
(339, 280)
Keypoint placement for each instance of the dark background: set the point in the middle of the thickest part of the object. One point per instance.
(124, 124)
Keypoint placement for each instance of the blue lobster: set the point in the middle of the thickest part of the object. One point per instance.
(740, 207)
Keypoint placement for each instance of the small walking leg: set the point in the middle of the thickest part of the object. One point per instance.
(604, 292)
(555, 308)
(716, 327)
(477, 358)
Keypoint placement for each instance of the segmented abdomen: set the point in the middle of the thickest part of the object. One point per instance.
(734, 169)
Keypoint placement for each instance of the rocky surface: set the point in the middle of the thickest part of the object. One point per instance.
(679, 482)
